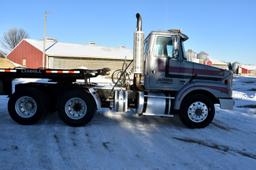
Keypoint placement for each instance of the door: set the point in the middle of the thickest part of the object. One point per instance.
(157, 71)
(168, 71)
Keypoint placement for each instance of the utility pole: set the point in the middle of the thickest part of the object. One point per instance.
(44, 60)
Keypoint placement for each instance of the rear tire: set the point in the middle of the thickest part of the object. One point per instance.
(76, 107)
(27, 106)
(197, 111)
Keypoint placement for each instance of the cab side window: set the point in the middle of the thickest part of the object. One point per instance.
(146, 47)
(163, 47)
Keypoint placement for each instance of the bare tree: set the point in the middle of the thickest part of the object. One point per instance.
(13, 37)
(2, 54)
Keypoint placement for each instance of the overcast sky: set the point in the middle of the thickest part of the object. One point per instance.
(225, 29)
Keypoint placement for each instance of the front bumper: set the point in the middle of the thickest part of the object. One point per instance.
(227, 103)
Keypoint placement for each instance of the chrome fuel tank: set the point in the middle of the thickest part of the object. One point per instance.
(151, 103)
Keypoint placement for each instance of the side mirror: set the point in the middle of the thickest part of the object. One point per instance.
(175, 44)
(176, 49)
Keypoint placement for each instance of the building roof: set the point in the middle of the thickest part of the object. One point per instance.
(248, 67)
(61, 49)
(5, 63)
(217, 62)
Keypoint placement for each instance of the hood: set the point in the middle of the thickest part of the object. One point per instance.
(202, 70)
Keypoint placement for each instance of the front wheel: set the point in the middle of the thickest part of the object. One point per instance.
(197, 111)
(76, 107)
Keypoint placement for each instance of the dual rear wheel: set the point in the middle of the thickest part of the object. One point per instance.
(76, 107)
(28, 106)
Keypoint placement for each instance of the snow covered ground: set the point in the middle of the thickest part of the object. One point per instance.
(119, 141)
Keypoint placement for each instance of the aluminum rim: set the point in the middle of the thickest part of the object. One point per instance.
(75, 108)
(197, 112)
(26, 107)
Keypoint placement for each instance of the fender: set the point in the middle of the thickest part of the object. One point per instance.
(216, 90)
(95, 97)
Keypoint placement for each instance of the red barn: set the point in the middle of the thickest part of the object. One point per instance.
(26, 55)
(243, 69)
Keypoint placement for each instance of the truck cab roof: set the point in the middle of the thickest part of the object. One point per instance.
(171, 32)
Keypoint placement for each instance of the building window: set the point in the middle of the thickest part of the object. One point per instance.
(24, 62)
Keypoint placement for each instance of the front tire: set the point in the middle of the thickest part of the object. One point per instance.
(197, 111)
(27, 106)
(76, 107)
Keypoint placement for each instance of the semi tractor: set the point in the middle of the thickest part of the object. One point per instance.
(164, 84)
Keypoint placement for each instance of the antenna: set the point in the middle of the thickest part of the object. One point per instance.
(44, 58)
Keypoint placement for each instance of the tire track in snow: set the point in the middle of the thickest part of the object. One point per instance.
(215, 146)
(65, 146)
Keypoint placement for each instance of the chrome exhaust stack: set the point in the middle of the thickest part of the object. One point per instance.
(138, 53)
